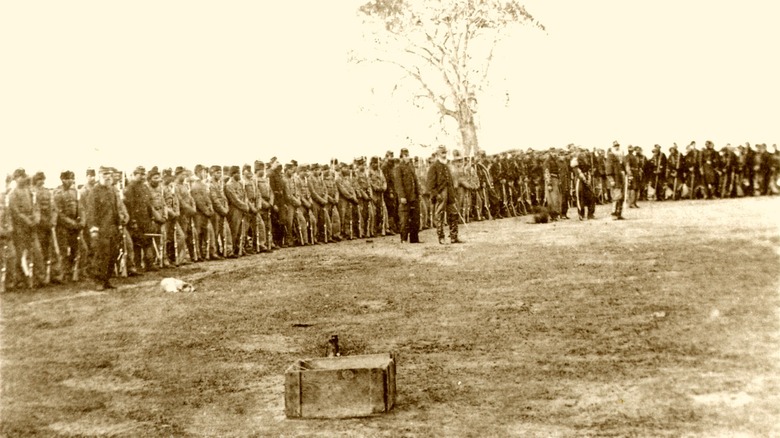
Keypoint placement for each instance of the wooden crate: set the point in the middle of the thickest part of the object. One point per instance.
(338, 387)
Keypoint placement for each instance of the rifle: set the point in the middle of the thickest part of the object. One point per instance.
(121, 258)
(57, 255)
(512, 201)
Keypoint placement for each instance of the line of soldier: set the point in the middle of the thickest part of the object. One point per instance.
(180, 216)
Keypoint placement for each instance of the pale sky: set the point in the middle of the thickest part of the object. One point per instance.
(85, 83)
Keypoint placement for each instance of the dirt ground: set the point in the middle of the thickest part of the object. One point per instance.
(666, 324)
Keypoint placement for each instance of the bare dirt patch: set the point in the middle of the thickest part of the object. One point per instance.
(665, 324)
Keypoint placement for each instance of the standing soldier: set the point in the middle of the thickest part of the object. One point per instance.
(658, 172)
(641, 174)
(564, 172)
(584, 196)
(25, 217)
(204, 213)
(7, 255)
(692, 169)
(173, 239)
(220, 204)
(363, 191)
(347, 202)
(552, 194)
(102, 220)
(252, 220)
(70, 222)
(390, 199)
(710, 166)
(674, 173)
(46, 230)
(265, 203)
(187, 211)
(319, 206)
(333, 202)
(442, 191)
(728, 167)
(279, 207)
(294, 216)
(407, 189)
(309, 227)
(159, 215)
(138, 199)
(426, 207)
(616, 174)
(762, 169)
(633, 171)
(376, 177)
(237, 209)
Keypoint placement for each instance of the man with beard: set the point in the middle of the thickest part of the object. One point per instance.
(102, 220)
(442, 191)
(407, 189)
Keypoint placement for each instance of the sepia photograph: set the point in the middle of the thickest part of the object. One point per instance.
(389, 218)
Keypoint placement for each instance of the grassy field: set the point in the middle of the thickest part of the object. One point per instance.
(666, 324)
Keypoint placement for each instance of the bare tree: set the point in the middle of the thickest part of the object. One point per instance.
(446, 46)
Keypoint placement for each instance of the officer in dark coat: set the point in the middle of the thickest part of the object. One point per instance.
(442, 191)
(102, 219)
(407, 190)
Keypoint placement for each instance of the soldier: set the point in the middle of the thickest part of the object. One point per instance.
(309, 226)
(442, 191)
(102, 220)
(46, 231)
(633, 171)
(237, 210)
(172, 237)
(657, 166)
(279, 207)
(265, 199)
(204, 213)
(347, 202)
(600, 176)
(407, 189)
(692, 169)
(220, 204)
(187, 210)
(296, 222)
(710, 167)
(552, 194)
(25, 216)
(7, 253)
(485, 187)
(762, 169)
(728, 167)
(564, 173)
(328, 178)
(252, 220)
(640, 174)
(138, 199)
(159, 216)
(319, 206)
(616, 174)
(363, 192)
(584, 196)
(674, 172)
(70, 222)
(126, 254)
(426, 207)
(390, 199)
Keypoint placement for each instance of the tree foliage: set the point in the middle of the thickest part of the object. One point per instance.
(447, 47)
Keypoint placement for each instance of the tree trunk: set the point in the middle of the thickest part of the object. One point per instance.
(468, 134)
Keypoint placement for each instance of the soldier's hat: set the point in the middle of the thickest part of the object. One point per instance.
(39, 176)
(315, 166)
(234, 170)
(674, 147)
(615, 143)
(389, 154)
(167, 172)
(441, 149)
(199, 168)
(67, 175)
(657, 146)
(226, 169)
(404, 153)
(288, 166)
(259, 165)
(104, 169)
(294, 163)
(90, 172)
(140, 170)
(179, 170)
(358, 161)
(215, 168)
(246, 168)
(325, 168)
(154, 171)
(374, 160)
